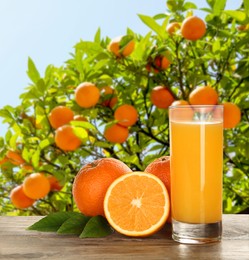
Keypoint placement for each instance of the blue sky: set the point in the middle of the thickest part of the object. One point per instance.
(47, 30)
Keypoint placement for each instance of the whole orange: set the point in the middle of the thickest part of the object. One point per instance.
(87, 95)
(126, 115)
(204, 95)
(36, 186)
(15, 157)
(193, 28)
(173, 27)
(92, 181)
(65, 138)
(19, 199)
(161, 168)
(60, 115)
(161, 97)
(118, 50)
(231, 114)
(54, 183)
(116, 133)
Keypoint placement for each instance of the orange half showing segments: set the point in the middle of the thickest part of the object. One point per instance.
(137, 204)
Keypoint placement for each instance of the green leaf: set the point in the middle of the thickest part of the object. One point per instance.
(152, 24)
(26, 154)
(204, 9)
(52, 222)
(83, 124)
(32, 71)
(96, 227)
(219, 6)
(88, 47)
(102, 144)
(216, 46)
(160, 16)
(237, 15)
(74, 225)
(189, 5)
(80, 132)
(246, 5)
(97, 37)
(41, 86)
(211, 3)
(6, 114)
(172, 5)
(36, 158)
(46, 142)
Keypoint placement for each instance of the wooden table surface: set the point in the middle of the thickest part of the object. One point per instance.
(18, 243)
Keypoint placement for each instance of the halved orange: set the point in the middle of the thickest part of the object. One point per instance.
(137, 204)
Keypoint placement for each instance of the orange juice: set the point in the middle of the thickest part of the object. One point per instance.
(196, 171)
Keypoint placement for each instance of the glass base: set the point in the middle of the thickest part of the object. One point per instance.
(196, 233)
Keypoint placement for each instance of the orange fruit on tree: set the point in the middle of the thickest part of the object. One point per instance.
(243, 27)
(36, 186)
(161, 168)
(180, 102)
(54, 183)
(137, 204)
(116, 133)
(66, 139)
(92, 181)
(110, 99)
(19, 199)
(15, 157)
(80, 118)
(204, 95)
(173, 27)
(121, 49)
(126, 115)
(193, 28)
(87, 95)
(161, 62)
(27, 167)
(150, 68)
(231, 115)
(60, 116)
(161, 97)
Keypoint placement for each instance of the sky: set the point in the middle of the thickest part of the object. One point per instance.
(47, 30)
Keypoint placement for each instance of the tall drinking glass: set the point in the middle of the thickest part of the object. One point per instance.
(196, 148)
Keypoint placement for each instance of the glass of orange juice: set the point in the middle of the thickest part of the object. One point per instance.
(196, 150)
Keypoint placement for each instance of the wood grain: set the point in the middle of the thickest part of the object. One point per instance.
(18, 243)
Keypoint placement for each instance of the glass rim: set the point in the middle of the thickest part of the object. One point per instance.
(195, 106)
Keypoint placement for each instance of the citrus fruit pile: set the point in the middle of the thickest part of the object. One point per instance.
(134, 203)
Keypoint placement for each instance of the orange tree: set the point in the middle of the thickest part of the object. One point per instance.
(145, 73)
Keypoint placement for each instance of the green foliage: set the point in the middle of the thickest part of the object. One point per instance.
(73, 223)
(219, 59)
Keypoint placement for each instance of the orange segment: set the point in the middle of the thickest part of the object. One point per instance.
(137, 204)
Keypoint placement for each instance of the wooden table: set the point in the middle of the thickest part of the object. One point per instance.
(18, 243)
